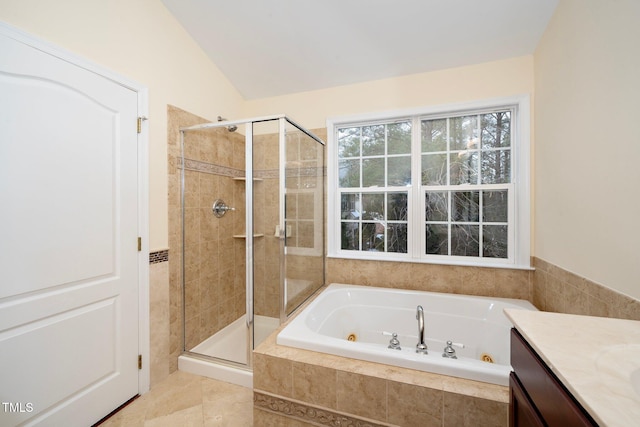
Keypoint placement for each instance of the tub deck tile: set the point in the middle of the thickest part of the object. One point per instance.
(315, 384)
(362, 395)
(370, 393)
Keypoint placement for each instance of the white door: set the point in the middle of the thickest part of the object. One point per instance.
(68, 240)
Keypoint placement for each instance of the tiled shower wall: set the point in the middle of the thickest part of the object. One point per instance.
(215, 247)
(214, 259)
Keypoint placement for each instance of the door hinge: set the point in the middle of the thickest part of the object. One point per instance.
(139, 244)
(139, 361)
(140, 120)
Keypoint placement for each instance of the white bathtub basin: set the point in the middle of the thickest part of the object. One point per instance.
(370, 315)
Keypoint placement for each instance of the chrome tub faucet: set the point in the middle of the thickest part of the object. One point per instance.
(421, 347)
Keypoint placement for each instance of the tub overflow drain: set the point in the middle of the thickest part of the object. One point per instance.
(485, 357)
(351, 337)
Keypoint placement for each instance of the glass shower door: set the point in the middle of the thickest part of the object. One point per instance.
(214, 291)
(266, 254)
(304, 216)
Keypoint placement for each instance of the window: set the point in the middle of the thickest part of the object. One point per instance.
(374, 172)
(444, 185)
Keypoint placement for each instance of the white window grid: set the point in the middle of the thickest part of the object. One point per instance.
(518, 188)
(361, 221)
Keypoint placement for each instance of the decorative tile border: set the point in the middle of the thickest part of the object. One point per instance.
(308, 172)
(199, 166)
(159, 256)
(307, 413)
(267, 174)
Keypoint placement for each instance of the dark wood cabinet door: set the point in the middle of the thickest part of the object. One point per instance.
(522, 412)
(548, 396)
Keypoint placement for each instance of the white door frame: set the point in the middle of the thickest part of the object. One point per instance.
(143, 181)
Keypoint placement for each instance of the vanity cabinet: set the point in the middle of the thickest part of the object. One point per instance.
(537, 397)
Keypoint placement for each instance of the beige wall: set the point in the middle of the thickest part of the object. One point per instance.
(141, 41)
(588, 142)
(489, 80)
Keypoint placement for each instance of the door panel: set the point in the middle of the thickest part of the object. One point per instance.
(68, 240)
(58, 165)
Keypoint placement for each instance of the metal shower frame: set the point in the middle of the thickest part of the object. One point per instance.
(249, 259)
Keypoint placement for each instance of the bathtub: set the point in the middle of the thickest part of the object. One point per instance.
(358, 322)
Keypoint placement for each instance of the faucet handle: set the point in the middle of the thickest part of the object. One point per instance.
(394, 343)
(449, 352)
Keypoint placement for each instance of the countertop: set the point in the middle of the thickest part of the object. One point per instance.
(596, 358)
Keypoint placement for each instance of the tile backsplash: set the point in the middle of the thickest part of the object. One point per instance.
(494, 282)
(548, 287)
(556, 289)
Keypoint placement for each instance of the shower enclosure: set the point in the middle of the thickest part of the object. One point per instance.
(252, 237)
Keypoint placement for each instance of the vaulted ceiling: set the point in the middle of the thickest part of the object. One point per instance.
(275, 47)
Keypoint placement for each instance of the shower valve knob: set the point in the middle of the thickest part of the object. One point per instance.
(220, 208)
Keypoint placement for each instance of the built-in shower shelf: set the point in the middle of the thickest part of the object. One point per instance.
(242, 178)
(244, 236)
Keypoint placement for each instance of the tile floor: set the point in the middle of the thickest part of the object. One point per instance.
(188, 400)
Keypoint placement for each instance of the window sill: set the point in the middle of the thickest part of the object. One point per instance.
(370, 256)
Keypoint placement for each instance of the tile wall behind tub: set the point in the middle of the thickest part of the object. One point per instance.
(556, 289)
(481, 281)
(548, 287)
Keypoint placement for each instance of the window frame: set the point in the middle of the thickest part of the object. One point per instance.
(520, 204)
